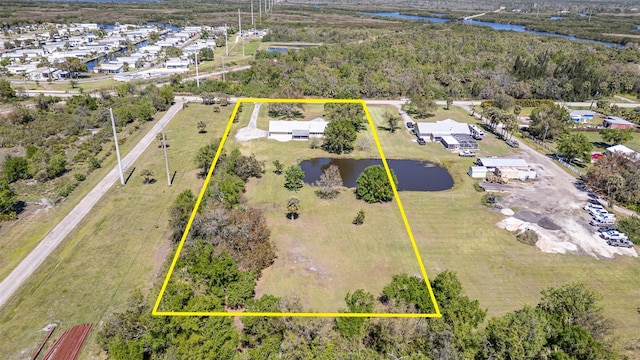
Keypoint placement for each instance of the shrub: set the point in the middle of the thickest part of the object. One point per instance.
(359, 219)
(528, 237)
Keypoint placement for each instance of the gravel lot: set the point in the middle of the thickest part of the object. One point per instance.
(552, 207)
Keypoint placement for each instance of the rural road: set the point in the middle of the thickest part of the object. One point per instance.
(29, 264)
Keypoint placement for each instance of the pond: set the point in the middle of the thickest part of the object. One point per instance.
(282, 50)
(493, 25)
(413, 175)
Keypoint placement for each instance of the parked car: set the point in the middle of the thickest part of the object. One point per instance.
(466, 153)
(597, 212)
(591, 206)
(620, 242)
(604, 222)
(421, 141)
(607, 228)
(603, 216)
(614, 235)
(410, 125)
(513, 143)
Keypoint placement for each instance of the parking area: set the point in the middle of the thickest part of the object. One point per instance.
(553, 207)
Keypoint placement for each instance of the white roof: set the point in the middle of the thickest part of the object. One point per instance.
(621, 149)
(582, 113)
(450, 140)
(443, 127)
(314, 126)
(111, 66)
(502, 162)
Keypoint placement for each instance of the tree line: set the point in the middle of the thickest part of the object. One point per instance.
(446, 60)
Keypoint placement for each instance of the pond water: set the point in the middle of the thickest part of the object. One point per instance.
(278, 49)
(413, 175)
(493, 25)
(91, 64)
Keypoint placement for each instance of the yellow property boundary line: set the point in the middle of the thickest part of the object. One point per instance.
(436, 314)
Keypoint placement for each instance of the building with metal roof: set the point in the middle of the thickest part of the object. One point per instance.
(285, 130)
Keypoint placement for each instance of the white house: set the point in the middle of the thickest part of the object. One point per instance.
(581, 116)
(283, 130)
(110, 68)
(177, 63)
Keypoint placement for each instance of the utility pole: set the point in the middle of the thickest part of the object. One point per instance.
(260, 8)
(224, 78)
(240, 28)
(197, 74)
(226, 39)
(166, 157)
(115, 138)
(253, 26)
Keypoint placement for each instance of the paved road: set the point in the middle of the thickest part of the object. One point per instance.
(30, 263)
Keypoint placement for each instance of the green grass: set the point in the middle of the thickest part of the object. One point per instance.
(455, 231)
(119, 246)
(600, 145)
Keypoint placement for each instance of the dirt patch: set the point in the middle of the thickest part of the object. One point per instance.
(552, 207)
(528, 216)
(548, 224)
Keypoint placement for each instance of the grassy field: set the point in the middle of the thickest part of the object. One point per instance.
(321, 255)
(118, 247)
(115, 250)
(453, 231)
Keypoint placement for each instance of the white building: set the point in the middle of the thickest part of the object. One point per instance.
(283, 130)
(177, 63)
(435, 131)
(511, 168)
(110, 68)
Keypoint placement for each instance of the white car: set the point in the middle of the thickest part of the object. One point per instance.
(620, 242)
(604, 216)
(591, 206)
(614, 235)
(598, 212)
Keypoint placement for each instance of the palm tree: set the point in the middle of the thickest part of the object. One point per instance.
(293, 206)
(517, 110)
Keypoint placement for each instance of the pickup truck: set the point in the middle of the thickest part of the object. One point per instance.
(466, 153)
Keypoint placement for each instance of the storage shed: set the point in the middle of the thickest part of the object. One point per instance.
(478, 172)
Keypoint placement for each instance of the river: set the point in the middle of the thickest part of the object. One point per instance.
(493, 25)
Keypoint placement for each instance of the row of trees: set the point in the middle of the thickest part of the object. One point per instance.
(567, 323)
(446, 60)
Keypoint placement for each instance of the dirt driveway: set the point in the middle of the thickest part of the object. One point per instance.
(552, 207)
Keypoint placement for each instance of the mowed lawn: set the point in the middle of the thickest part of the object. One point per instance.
(453, 230)
(120, 246)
